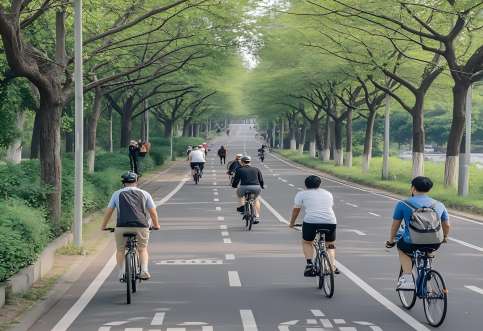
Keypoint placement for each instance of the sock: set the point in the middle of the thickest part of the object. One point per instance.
(309, 261)
(144, 266)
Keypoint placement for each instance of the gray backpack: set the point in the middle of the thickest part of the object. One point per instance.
(425, 226)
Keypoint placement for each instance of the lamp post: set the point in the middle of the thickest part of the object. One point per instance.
(79, 124)
(387, 123)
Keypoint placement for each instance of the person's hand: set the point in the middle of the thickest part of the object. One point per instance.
(103, 227)
(390, 244)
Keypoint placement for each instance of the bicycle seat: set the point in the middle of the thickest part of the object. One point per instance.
(130, 234)
(324, 231)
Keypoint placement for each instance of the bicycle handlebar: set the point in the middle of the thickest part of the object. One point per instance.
(113, 229)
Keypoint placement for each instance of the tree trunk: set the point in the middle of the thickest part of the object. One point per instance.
(348, 143)
(35, 140)
(92, 122)
(292, 132)
(369, 134)
(168, 127)
(109, 141)
(69, 141)
(460, 90)
(315, 137)
(338, 155)
(50, 161)
(126, 127)
(186, 127)
(418, 140)
(303, 137)
(326, 146)
(14, 151)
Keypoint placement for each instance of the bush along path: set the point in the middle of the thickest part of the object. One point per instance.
(400, 174)
(24, 227)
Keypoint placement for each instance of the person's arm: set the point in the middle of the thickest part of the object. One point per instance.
(295, 214)
(107, 218)
(445, 224)
(236, 179)
(397, 218)
(260, 179)
(396, 224)
(154, 217)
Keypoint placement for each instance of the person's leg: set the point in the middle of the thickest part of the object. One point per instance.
(331, 252)
(257, 208)
(120, 250)
(131, 162)
(143, 238)
(406, 262)
(308, 249)
(135, 159)
(143, 258)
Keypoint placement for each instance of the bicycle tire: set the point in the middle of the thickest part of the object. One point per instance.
(135, 273)
(196, 178)
(407, 297)
(442, 295)
(328, 274)
(319, 280)
(127, 263)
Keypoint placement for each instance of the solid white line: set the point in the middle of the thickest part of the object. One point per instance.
(464, 243)
(225, 233)
(408, 319)
(374, 214)
(86, 297)
(158, 319)
(226, 240)
(248, 320)
(351, 204)
(234, 279)
(474, 288)
(66, 321)
(229, 256)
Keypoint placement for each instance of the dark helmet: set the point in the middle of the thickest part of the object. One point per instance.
(246, 159)
(129, 177)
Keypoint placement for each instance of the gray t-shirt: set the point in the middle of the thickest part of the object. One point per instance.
(317, 204)
(131, 204)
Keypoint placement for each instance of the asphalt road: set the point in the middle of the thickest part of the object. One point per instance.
(210, 274)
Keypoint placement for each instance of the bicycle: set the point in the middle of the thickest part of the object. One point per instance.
(197, 174)
(249, 210)
(131, 264)
(429, 286)
(261, 156)
(324, 271)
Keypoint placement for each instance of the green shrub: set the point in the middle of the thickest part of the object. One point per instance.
(23, 234)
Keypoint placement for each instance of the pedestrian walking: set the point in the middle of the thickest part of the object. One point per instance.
(222, 154)
(133, 156)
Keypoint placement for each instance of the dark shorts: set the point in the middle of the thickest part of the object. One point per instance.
(411, 248)
(309, 231)
(199, 164)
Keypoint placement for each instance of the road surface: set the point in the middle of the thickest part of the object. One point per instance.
(210, 274)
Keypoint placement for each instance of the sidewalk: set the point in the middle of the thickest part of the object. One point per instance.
(70, 264)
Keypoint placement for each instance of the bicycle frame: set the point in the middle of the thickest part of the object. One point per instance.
(423, 266)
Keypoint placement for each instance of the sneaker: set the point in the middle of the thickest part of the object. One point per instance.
(256, 220)
(309, 270)
(122, 278)
(405, 283)
(144, 275)
(336, 271)
(241, 209)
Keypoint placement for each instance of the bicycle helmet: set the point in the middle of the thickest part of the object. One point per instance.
(129, 177)
(246, 159)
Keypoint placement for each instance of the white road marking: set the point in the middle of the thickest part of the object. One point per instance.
(214, 183)
(225, 233)
(216, 200)
(234, 279)
(464, 243)
(227, 241)
(104, 328)
(66, 321)
(218, 208)
(339, 321)
(374, 214)
(223, 227)
(326, 323)
(190, 262)
(404, 316)
(248, 320)
(229, 256)
(220, 218)
(317, 313)
(215, 193)
(358, 232)
(300, 189)
(158, 319)
(291, 185)
(133, 329)
(474, 289)
(351, 204)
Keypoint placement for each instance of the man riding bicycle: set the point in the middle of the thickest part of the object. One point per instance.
(319, 215)
(251, 181)
(261, 153)
(197, 158)
(135, 210)
(400, 235)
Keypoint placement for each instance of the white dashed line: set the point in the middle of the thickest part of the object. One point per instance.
(229, 256)
(248, 320)
(474, 289)
(226, 240)
(216, 200)
(223, 227)
(218, 208)
(300, 189)
(234, 279)
(214, 183)
(215, 193)
(291, 185)
(225, 233)
(358, 232)
(374, 214)
(317, 313)
(220, 218)
(351, 204)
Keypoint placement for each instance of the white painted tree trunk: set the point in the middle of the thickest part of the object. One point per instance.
(348, 159)
(312, 149)
(301, 148)
(293, 144)
(326, 155)
(451, 169)
(366, 162)
(14, 151)
(418, 164)
(91, 157)
(339, 157)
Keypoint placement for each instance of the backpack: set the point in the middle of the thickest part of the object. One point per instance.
(425, 226)
(144, 149)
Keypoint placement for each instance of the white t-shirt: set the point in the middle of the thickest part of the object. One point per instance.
(317, 204)
(197, 156)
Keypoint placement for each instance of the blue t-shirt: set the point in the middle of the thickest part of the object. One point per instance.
(404, 212)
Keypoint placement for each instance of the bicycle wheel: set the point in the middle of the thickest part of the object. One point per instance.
(328, 274)
(407, 297)
(435, 300)
(319, 279)
(196, 178)
(128, 275)
(135, 272)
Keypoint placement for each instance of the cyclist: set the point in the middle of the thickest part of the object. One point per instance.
(420, 186)
(319, 215)
(197, 158)
(135, 210)
(261, 154)
(234, 165)
(250, 180)
(205, 147)
(222, 154)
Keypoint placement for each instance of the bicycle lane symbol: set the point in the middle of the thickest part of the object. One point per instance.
(320, 322)
(156, 324)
